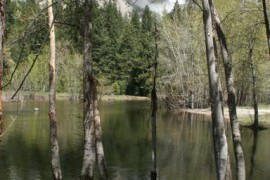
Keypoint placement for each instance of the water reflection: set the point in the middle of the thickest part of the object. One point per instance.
(253, 153)
(184, 144)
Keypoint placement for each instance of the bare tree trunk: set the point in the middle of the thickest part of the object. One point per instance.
(2, 36)
(89, 157)
(98, 134)
(55, 161)
(93, 147)
(254, 93)
(266, 21)
(219, 136)
(154, 112)
(238, 150)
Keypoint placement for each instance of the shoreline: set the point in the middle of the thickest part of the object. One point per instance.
(245, 115)
(27, 96)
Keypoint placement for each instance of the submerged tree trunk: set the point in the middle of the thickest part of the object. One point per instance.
(55, 161)
(154, 112)
(98, 134)
(93, 147)
(2, 36)
(219, 136)
(89, 157)
(238, 150)
(266, 21)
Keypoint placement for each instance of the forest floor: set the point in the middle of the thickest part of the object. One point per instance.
(245, 114)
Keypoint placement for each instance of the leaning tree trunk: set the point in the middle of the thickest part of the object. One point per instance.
(154, 112)
(2, 36)
(238, 150)
(55, 161)
(266, 21)
(93, 147)
(219, 136)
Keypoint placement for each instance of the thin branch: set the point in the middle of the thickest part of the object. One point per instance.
(22, 49)
(20, 59)
(65, 23)
(197, 4)
(33, 63)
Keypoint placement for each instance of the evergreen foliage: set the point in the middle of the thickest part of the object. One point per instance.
(123, 49)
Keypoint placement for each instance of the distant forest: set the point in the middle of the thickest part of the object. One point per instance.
(123, 50)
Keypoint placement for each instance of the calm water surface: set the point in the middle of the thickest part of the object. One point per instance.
(184, 143)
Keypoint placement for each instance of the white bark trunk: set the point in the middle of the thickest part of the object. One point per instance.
(238, 150)
(219, 136)
(55, 161)
(93, 147)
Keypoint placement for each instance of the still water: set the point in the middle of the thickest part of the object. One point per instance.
(184, 143)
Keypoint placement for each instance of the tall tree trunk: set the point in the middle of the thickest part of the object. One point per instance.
(93, 147)
(254, 89)
(154, 112)
(2, 36)
(266, 21)
(55, 161)
(219, 136)
(238, 150)
(89, 157)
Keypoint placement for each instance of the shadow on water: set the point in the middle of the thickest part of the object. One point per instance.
(253, 153)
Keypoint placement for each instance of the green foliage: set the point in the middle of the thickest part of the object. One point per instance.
(116, 88)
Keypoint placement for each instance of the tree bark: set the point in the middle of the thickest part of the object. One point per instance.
(2, 36)
(89, 157)
(223, 169)
(266, 21)
(55, 161)
(154, 112)
(254, 93)
(93, 147)
(238, 150)
(98, 134)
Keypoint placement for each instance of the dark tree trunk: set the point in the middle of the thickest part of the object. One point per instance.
(55, 161)
(93, 147)
(254, 93)
(219, 136)
(154, 111)
(2, 36)
(266, 21)
(238, 150)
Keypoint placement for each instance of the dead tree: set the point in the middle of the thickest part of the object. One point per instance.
(93, 147)
(223, 168)
(227, 62)
(55, 160)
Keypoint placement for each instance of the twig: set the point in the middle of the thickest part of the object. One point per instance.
(33, 63)
(24, 37)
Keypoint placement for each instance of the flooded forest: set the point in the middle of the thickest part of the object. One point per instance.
(134, 90)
